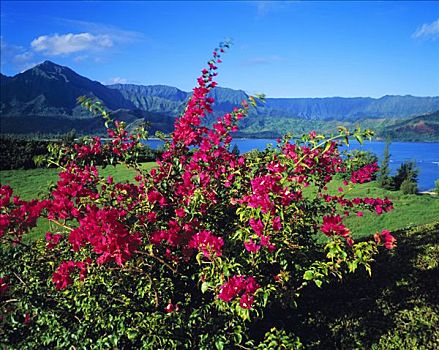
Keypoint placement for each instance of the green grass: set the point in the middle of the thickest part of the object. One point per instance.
(34, 183)
(409, 210)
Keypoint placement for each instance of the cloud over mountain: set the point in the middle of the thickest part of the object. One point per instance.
(64, 44)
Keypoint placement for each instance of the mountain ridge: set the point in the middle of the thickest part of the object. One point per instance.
(51, 90)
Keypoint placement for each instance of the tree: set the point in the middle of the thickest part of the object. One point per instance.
(384, 178)
(235, 150)
(409, 187)
(406, 174)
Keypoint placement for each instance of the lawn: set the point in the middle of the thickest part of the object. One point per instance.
(34, 183)
(410, 210)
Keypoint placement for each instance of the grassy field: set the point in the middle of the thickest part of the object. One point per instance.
(34, 183)
(395, 308)
(410, 210)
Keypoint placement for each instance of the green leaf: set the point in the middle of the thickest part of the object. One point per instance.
(318, 283)
(308, 275)
(204, 287)
(359, 138)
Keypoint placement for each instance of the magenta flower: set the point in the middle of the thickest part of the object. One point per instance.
(207, 243)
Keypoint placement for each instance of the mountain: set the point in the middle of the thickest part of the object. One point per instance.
(155, 98)
(171, 101)
(4, 79)
(51, 90)
(167, 99)
(43, 98)
(354, 108)
(422, 128)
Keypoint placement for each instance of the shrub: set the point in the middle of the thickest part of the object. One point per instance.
(188, 255)
(18, 153)
(357, 159)
(384, 179)
(407, 173)
(409, 187)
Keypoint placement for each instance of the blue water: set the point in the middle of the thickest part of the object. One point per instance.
(426, 155)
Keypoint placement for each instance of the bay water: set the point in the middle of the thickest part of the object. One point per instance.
(425, 154)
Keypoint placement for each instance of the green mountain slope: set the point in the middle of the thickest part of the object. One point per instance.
(43, 99)
(421, 128)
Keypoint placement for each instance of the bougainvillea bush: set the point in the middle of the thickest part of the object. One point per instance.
(191, 254)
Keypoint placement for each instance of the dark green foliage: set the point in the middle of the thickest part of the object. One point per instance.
(407, 173)
(409, 187)
(394, 309)
(69, 137)
(114, 308)
(22, 153)
(235, 149)
(437, 186)
(18, 153)
(384, 179)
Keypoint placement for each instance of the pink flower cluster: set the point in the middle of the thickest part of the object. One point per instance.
(379, 205)
(121, 142)
(319, 161)
(333, 225)
(105, 231)
(386, 238)
(209, 244)
(62, 276)
(246, 286)
(266, 192)
(74, 183)
(364, 174)
(264, 240)
(53, 239)
(17, 216)
(85, 150)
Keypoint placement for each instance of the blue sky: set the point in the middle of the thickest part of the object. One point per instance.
(283, 49)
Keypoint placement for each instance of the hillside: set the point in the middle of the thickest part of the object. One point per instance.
(421, 128)
(51, 90)
(43, 99)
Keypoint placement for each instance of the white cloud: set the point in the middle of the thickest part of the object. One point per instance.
(427, 31)
(23, 57)
(117, 80)
(117, 34)
(15, 54)
(55, 44)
